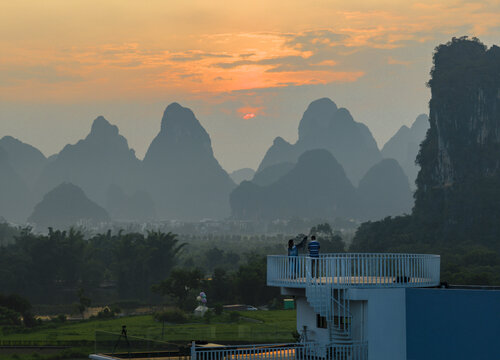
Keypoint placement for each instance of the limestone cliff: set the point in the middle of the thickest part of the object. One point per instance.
(458, 187)
(459, 181)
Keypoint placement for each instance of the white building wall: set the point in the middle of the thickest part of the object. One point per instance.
(358, 309)
(307, 317)
(384, 321)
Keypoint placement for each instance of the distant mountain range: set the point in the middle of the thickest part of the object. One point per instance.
(384, 191)
(325, 126)
(15, 197)
(383, 188)
(242, 174)
(64, 206)
(95, 163)
(272, 173)
(317, 187)
(405, 144)
(180, 178)
(136, 207)
(26, 160)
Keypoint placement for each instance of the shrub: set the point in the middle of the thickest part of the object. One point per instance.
(9, 317)
(218, 308)
(208, 316)
(106, 313)
(234, 316)
(29, 320)
(115, 309)
(276, 304)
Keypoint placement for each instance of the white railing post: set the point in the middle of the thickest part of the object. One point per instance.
(193, 350)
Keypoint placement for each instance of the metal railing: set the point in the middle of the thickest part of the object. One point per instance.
(356, 351)
(354, 270)
(299, 351)
(249, 352)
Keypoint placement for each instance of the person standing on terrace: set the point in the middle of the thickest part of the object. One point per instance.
(314, 255)
(293, 252)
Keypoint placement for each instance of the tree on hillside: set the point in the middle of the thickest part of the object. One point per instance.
(7, 233)
(221, 286)
(139, 262)
(331, 242)
(13, 307)
(84, 302)
(217, 258)
(163, 249)
(180, 285)
(45, 264)
(251, 283)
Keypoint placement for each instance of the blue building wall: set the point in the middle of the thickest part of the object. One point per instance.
(452, 324)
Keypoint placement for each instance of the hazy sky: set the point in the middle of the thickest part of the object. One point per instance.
(247, 69)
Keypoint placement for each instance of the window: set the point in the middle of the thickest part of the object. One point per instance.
(321, 322)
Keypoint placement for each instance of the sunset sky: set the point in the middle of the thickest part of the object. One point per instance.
(247, 69)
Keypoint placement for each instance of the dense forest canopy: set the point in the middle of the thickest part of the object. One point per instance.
(53, 268)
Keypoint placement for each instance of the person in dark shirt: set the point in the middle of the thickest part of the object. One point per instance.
(314, 255)
(293, 252)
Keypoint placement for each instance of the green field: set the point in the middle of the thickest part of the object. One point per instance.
(254, 326)
(100, 335)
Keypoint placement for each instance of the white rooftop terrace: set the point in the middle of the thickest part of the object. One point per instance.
(354, 270)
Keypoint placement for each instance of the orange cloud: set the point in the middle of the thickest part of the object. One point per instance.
(68, 60)
(393, 61)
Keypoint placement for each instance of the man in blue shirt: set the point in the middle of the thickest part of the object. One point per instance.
(313, 247)
(314, 255)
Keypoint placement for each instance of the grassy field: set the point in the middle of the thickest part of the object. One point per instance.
(253, 326)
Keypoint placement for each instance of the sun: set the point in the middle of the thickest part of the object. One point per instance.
(248, 116)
